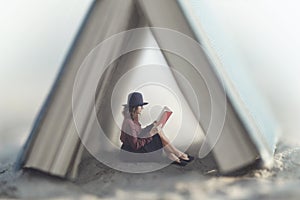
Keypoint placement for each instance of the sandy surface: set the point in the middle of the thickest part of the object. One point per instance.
(198, 180)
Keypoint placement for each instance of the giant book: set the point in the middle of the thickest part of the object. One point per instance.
(235, 124)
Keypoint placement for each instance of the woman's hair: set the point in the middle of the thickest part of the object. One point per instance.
(132, 111)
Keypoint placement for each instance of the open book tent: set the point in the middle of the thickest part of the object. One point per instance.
(54, 145)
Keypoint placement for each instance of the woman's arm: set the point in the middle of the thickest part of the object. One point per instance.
(149, 130)
(133, 139)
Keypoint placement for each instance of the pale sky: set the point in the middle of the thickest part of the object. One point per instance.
(264, 35)
(35, 37)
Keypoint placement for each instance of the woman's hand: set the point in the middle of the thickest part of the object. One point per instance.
(155, 129)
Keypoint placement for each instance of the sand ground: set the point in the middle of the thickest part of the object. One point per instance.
(198, 180)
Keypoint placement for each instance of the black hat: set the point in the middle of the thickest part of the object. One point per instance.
(135, 99)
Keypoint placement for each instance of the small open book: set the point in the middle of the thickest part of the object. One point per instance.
(161, 119)
(164, 116)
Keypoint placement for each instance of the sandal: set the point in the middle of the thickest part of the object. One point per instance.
(181, 163)
(191, 158)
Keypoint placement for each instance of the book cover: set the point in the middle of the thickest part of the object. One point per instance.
(245, 136)
(164, 116)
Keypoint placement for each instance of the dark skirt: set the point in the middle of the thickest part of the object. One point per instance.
(152, 151)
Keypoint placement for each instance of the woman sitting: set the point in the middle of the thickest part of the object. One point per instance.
(150, 139)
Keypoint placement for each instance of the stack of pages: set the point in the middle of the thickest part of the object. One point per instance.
(214, 107)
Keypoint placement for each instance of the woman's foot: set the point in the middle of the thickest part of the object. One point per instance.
(190, 159)
(180, 163)
(176, 160)
(185, 157)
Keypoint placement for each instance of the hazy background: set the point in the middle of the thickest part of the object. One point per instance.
(263, 36)
(35, 37)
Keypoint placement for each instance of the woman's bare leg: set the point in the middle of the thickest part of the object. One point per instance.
(169, 151)
(166, 146)
(170, 148)
(173, 157)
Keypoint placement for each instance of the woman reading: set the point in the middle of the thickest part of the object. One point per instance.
(137, 140)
